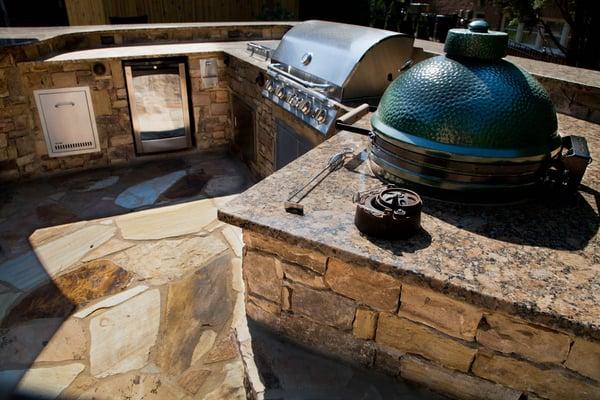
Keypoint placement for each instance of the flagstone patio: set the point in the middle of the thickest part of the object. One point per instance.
(122, 284)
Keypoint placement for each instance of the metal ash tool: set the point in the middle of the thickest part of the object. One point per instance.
(292, 204)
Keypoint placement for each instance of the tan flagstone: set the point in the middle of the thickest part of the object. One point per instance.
(134, 386)
(121, 337)
(48, 382)
(112, 246)
(233, 235)
(41, 236)
(205, 343)
(168, 259)
(111, 301)
(53, 257)
(164, 222)
(232, 386)
(69, 342)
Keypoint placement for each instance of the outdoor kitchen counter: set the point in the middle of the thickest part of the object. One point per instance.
(540, 261)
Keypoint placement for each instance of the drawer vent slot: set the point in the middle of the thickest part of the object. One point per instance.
(68, 121)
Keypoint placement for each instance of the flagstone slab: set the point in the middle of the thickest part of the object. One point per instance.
(112, 246)
(73, 289)
(165, 222)
(146, 193)
(165, 260)
(121, 338)
(233, 235)
(111, 301)
(199, 302)
(69, 342)
(41, 236)
(44, 382)
(22, 343)
(6, 301)
(134, 386)
(230, 386)
(48, 260)
(41, 340)
(99, 184)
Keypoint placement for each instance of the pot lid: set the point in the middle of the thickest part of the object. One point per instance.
(476, 42)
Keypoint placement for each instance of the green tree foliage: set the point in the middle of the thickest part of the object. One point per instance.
(583, 16)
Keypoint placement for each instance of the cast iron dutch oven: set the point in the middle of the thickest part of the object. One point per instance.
(471, 126)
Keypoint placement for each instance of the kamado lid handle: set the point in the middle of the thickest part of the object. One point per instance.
(477, 42)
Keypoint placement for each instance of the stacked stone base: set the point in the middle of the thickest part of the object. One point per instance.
(376, 320)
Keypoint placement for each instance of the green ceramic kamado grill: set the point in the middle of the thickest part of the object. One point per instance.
(470, 126)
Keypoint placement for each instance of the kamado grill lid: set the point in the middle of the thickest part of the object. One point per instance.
(467, 123)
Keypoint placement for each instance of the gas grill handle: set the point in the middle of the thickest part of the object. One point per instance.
(301, 81)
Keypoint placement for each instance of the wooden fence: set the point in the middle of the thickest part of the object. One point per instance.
(95, 12)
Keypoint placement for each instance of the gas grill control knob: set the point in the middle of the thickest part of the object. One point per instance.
(305, 107)
(320, 115)
(270, 86)
(280, 92)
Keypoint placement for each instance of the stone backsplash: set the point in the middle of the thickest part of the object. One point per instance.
(376, 320)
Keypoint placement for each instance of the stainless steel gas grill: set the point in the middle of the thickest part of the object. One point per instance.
(319, 65)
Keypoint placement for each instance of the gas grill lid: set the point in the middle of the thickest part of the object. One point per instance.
(355, 58)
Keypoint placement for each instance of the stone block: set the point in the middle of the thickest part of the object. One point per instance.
(76, 66)
(327, 340)
(25, 145)
(219, 109)
(585, 358)
(263, 275)
(364, 285)
(3, 140)
(551, 383)
(453, 317)
(121, 140)
(323, 306)
(219, 96)
(365, 323)
(64, 79)
(294, 254)
(454, 383)
(410, 337)
(120, 104)
(272, 308)
(387, 360)
(28, 159)
(262, 317)
(537, 343)
(101, 102)
(117, 74)
(304, 276)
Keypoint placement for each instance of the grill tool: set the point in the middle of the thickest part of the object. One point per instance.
(335, 162)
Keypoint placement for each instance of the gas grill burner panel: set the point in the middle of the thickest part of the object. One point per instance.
(320, 65)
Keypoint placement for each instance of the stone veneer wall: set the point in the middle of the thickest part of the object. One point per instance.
(376, 320)
(23, 151)
(242, 81)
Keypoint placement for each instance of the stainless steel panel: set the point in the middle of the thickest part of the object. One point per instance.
(68, 121)
(331, 51)
(159, 107)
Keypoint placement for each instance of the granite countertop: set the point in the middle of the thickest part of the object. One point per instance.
(581, 76)
(48, 32)
(236, 49)
(540, 260)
